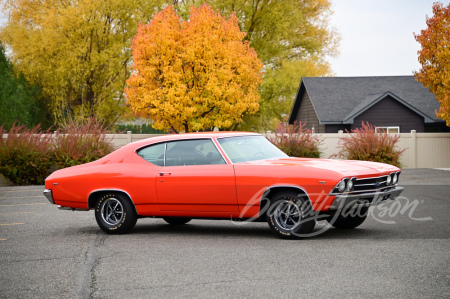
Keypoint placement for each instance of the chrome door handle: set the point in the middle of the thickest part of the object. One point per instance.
(164, 173)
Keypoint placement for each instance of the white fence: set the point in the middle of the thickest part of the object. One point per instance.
(423, 150)
(120, 140)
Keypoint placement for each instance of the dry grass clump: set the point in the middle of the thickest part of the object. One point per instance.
(364, 144)
(297, 141)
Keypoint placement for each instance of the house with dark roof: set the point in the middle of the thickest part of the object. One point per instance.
(395, 104)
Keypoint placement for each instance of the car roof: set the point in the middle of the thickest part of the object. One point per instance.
(187, 136)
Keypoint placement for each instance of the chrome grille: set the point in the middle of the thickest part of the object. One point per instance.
(370, 184)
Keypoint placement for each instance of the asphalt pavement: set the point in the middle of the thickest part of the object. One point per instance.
(401, 251)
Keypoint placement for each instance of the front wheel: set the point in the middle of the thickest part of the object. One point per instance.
(348, 220)
(115, 213)
(290, 215)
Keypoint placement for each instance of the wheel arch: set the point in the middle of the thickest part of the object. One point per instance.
(271, 191)
(94, 195)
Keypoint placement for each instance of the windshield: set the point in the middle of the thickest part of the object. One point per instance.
(250, 148)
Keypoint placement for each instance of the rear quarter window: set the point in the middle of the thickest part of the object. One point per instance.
(153, 154)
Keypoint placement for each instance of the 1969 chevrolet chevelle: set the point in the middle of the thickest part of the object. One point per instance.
(231, 175)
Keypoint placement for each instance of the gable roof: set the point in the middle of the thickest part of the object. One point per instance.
(338, 100)
(371, 100)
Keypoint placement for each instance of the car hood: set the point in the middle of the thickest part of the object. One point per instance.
(344, 167)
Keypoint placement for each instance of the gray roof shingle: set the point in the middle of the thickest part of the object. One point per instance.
(336, 98)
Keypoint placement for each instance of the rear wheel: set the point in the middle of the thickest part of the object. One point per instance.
(115, 213)
(177, 220)
(348, 220)
(290, 215)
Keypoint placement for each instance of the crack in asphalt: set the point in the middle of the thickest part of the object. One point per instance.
(89, 282)
(41, 259)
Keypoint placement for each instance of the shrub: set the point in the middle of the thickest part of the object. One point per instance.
(77, 144)
(26, 155)
(297, 141)
(365, 144)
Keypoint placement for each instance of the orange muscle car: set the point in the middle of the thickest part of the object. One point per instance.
(222, 175)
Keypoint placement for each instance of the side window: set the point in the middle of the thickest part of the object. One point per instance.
(192, 152)
(153, 154)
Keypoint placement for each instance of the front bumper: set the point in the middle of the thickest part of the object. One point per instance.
(345, 201)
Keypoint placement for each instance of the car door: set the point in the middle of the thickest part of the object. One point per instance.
(196, 178)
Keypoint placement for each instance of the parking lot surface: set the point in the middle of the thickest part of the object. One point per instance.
(401, 251)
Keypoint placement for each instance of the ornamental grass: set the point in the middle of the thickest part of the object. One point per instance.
(367, 145)
(78, 144)
(297, 141)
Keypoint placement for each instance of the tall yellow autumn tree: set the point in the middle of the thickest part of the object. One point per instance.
(434, 56)
(76, 51)
(193, 75)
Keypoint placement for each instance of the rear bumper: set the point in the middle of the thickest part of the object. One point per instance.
(49, 196)
(365, 199)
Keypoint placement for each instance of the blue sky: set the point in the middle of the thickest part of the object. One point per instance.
(377, 36)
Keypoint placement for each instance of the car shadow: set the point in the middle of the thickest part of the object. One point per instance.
(197, 228)
(249, 230)
(213, 228)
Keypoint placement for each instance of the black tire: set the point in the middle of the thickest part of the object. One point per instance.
(115, 214)
(349, 220)
(177, 220)
(290, 215)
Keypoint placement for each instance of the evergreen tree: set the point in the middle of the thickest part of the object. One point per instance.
(19, 102)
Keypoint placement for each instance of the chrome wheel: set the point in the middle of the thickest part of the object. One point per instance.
(287, 215)
(112, 211)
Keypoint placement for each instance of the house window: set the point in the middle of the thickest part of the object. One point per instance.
(387, 129)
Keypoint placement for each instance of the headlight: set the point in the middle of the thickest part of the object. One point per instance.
(389, 180)
(350, 184)
(395, 180)
(341, 186)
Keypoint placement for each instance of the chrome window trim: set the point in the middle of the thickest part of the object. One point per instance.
(152, 144)
(183, 139)
(220, 152)
(164, 157)
(223, 150)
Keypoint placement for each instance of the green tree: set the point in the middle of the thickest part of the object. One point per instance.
(19, 102)
(291, 37)
(77, 51)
